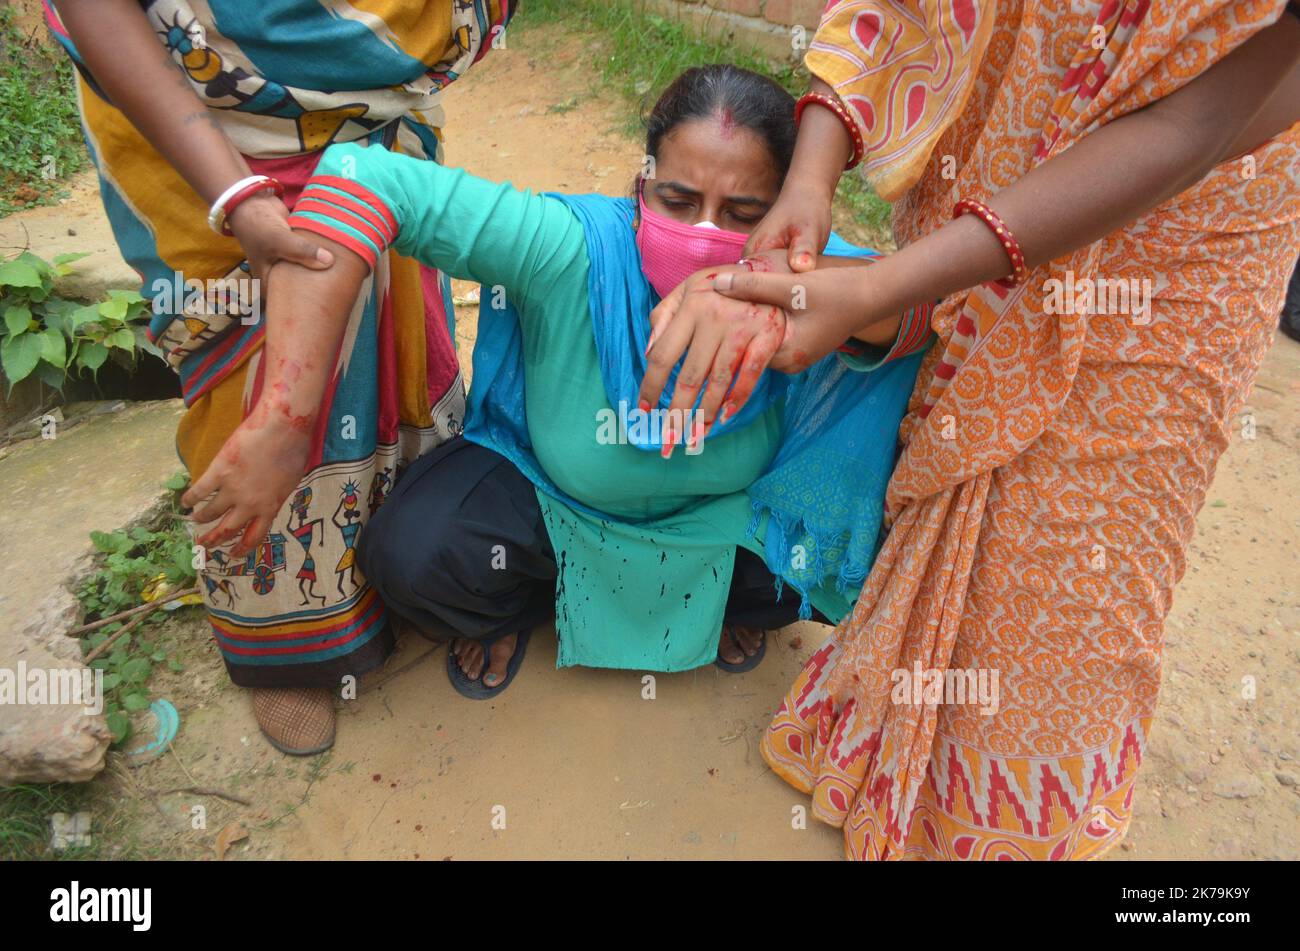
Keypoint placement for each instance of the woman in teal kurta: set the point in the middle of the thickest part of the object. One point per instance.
(642, 544)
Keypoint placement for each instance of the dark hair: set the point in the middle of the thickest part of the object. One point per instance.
(752, 101)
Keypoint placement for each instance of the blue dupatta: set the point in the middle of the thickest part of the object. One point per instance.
(817, 508)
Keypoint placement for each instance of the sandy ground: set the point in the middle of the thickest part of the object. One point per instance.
(585, 763)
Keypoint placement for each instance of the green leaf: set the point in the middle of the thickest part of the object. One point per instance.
(130, 297)
(54, 348)
(36, 263)
(135, 702)
(136, 670)
(119, 724)
(57, 320)
(179, 480)
(51, 376)
(18, 319)
(92, 355)
(70, 257)
(114, 308)
(112, 680)
(88, 313)
(175, 666)
(110, 541)
(123, 339)
(19, 354)
(19, 273)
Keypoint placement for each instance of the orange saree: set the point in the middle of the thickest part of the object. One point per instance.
(1055, 456)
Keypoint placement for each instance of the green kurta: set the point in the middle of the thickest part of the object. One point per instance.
(647, 593)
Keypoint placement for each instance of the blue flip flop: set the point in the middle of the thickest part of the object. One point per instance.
(749, 663)
(475, 689)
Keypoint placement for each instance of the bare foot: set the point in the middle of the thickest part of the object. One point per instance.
(471, 657)
(737, 643)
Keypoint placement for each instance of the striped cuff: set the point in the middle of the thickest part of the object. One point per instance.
(914, 335)
(344, 211)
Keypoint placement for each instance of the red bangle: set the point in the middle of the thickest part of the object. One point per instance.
(1000, 230)
(841, 113)
(235, 200)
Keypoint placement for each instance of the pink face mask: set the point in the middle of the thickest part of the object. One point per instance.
(671, 251)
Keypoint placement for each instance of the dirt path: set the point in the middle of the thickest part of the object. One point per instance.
(579, 763)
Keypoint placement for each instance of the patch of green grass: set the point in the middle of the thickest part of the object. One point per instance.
(40, 131)
(861, 215)
(25, 823)
(638, 52)
(25, 820)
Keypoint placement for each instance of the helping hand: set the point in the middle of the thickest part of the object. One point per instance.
(727, 346)
(261, 223)
(799, 223)
(825, 309)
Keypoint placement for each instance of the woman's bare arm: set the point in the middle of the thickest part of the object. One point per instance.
(120, 48)
(263, 460)
(122, 51)
(1098, 185)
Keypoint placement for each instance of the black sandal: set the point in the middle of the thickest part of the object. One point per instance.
(476, 689)
(749, 663)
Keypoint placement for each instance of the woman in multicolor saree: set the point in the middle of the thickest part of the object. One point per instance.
(182, 98)
(1058, 445)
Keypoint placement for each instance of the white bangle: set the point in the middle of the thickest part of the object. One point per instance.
(217, 214)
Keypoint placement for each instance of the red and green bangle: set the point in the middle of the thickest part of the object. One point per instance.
(841, 113)
(1000, 230)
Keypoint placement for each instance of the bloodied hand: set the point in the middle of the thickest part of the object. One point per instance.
(726, 346)
(244, 487)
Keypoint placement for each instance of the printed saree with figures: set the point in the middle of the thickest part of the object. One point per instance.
(286, 79)
(1054, 462)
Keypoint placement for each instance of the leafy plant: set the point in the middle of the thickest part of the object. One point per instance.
(55, 338)
(134, 561)
(40, 131)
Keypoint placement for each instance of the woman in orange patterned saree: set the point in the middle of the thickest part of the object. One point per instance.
(1063, 433)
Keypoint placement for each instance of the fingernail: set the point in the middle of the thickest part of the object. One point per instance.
(727, 410)
(723, 282)
(670, 439)
(643, 406)
(805, 259)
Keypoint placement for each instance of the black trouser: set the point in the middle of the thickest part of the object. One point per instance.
(461, 543)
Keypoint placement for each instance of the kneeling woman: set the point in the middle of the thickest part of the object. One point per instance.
(565, 498)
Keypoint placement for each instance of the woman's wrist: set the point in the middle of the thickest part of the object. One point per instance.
(817, 166)
(881, 287)
(251, 208)
(279, 409)
(822, 148)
